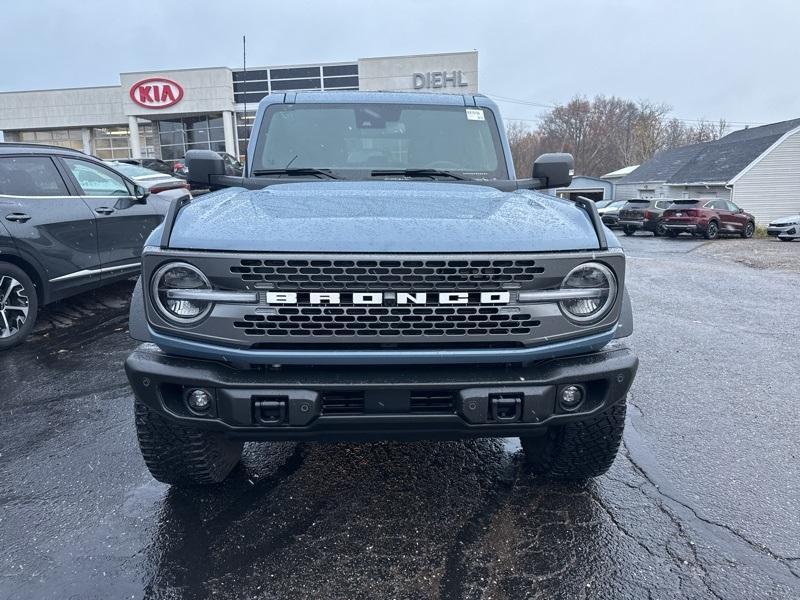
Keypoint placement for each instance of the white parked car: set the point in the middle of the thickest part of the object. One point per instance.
(785, 229)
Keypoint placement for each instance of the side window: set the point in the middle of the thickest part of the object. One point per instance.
(30, 176)
(715, 204)
(732, 207)
(96, 180)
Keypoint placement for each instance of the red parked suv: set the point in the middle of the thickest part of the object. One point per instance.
(708, 218)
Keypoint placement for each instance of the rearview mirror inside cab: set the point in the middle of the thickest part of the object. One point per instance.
(554, 169)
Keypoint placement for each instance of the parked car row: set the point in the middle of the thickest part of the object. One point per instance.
(706, 218)
(70, 223)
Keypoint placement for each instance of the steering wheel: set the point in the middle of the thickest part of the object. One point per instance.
(443, 164)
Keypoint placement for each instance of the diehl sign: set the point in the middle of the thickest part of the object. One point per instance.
(439, 79)
(156, 92)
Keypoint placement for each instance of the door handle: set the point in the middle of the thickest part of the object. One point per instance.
(18, 217)
(103, 210)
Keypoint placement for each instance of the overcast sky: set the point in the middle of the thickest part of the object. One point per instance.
(712, 59)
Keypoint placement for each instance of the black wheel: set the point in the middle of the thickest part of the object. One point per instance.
(672, 233)
(629, 230)
(181, 456)
(711, 231)
(18, 305)
(578, 450)
(748, 230)
(660, 229)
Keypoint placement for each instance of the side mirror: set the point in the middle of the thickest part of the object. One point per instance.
(140, 193)
(739, 210)
(202, 165)
(554, 169)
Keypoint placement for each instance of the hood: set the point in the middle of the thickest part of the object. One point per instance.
(381, 216)
(786, 220)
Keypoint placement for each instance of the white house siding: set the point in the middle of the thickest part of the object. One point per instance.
(628, 191)
(771, 187)
(699, 191)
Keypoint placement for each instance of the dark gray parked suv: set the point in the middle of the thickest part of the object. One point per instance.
(68, 224)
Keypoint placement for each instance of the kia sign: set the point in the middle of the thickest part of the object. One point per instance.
(156, 92)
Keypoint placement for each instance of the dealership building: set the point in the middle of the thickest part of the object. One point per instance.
(162, 114)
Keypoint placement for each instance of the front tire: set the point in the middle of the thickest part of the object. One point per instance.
(748, 230)
(19, 305)
(578, 450)
(179, 455)
(629, 230)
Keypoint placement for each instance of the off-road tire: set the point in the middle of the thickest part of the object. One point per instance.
(628, 230)
(749, 230)
(579, 450)
(712, 231)
(179, 455)
(13, 271)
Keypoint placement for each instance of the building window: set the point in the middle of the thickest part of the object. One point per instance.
(66, 138)
(111, 143)
(176, 136)
(254, 85)
(244, 126)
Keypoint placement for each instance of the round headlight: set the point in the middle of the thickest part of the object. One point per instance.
(167, 284)
(596, 290)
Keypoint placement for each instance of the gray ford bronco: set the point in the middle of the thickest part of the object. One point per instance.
(379, 272)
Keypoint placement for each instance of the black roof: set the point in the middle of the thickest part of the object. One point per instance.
(711, 162)
(663, 165)
(16, 147)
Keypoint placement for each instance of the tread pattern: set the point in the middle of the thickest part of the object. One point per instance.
(181, 456)
(578, 450)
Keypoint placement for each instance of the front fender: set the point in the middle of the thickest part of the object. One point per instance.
(137, 320)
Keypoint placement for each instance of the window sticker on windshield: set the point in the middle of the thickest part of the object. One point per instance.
(475, 114)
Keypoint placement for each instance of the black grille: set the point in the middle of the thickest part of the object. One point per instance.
(307, 274)
(343, 403)
(431, 401)
(388, 321)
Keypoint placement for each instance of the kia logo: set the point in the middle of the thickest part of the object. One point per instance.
(156, 92)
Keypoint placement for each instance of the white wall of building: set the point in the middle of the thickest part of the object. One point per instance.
(204, 91)
(455, 73)
(770, 187)
(56, 109)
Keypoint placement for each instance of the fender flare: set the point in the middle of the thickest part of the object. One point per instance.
(137, 319)
(625, 322)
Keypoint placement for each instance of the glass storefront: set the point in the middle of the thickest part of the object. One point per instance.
(176, 136)
(110, 143)
(67, 138)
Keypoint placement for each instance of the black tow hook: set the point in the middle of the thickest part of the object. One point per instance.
(506, 409)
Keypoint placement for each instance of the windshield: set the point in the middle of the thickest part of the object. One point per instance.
(355, 139)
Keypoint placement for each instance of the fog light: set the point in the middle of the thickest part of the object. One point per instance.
(199, 400)
(571, 397)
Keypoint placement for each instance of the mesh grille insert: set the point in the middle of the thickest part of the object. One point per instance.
(387, 321)
(451, 274)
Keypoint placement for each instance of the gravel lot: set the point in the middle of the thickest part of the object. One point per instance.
(701, 503)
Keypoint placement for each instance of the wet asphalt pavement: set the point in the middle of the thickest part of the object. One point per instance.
(703, 501)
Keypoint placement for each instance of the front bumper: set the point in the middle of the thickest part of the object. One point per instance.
(378, 402)
(783, 230)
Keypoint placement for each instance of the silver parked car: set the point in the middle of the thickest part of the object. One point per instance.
(785, 229)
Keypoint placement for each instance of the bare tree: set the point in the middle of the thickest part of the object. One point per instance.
(607, 133)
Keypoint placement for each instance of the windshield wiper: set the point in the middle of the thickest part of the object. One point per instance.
(417, 173)
(298, 171)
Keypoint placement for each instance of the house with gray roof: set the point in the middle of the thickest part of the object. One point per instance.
(756, 168)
